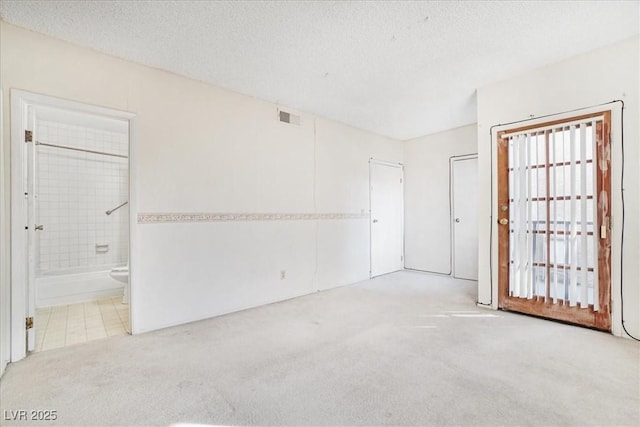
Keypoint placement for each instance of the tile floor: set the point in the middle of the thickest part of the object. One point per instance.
(65, 325)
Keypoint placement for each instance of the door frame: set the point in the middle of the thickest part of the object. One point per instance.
(452, 248)
(602, 319)
(5, 291)
(20, 101)
(488, 289)
(373, 161)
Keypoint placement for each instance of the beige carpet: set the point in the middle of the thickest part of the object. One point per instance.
(403, 349)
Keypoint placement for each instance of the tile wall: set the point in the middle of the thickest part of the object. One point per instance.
(74, 190)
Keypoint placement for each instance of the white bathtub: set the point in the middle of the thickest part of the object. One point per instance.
(71, 287)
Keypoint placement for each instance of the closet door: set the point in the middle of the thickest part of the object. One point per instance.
(387, 217)
(464, 201)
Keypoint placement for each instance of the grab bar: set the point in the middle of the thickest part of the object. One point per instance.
(115, 209)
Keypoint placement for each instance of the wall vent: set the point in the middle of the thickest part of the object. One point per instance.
(286, 117)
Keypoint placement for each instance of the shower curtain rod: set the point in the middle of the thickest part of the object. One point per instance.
(81, 149)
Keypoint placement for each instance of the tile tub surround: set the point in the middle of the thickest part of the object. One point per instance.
(75, 189)
(65, 325)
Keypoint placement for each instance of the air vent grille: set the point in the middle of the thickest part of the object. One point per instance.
(286, 117)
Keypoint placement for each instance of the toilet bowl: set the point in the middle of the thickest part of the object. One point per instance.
(121, 274)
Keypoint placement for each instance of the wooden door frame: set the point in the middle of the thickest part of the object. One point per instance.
(541, 306)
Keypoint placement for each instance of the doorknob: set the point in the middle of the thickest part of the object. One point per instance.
(375, 220)
(457, 219)
(503, 221)
(39, 227)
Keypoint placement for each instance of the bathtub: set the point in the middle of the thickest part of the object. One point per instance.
(73, 286)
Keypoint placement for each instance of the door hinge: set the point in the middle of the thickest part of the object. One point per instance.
(28, 136)
(401, 258)
(29, 322)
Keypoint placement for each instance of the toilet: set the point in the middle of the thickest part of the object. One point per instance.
(121, 274)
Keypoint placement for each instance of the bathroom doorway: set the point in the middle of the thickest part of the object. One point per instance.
(71, 223)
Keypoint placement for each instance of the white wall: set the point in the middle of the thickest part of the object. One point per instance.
(200, 148)
(583, 81)
(426, 195)
(343, 186)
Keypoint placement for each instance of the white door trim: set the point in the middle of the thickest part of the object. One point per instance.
(451, 209)
(392, 164)
(386, 163)
(5, 279)
(20, 100)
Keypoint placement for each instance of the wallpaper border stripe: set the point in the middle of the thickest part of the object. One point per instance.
(174, 217)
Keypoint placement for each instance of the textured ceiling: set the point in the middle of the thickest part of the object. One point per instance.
(401, 69)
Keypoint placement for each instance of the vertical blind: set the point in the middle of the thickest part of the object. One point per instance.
(553, 237)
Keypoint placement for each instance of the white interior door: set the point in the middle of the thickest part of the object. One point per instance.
(464, 178)
(22, 227)
(5, 305)
(387, 215)
(31, 226)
